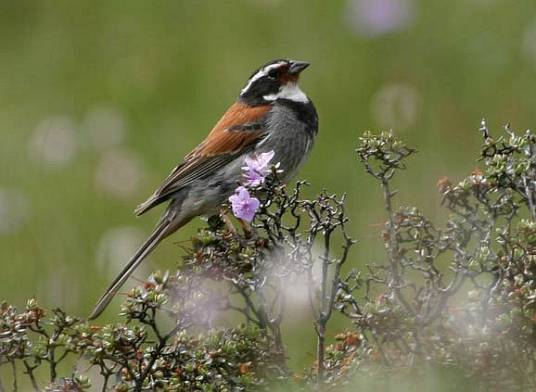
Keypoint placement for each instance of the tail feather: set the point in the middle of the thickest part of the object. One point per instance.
(154, 239)
(147, 205)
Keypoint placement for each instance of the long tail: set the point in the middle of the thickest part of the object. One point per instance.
(154, 239)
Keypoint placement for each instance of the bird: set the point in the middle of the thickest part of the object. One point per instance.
(271, 113)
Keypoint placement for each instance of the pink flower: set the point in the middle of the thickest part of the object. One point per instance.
(257, 168)
(243, 205)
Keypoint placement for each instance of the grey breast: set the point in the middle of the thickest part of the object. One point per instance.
(288, 138)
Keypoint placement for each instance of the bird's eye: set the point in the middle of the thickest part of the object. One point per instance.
(273, 73)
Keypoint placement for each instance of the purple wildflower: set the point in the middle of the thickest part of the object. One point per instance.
(257, 168)
(244, 206)
(376, 17)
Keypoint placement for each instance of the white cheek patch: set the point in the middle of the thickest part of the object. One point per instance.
(289, 91)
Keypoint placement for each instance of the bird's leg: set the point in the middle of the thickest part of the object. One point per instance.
(224, 214)
(247, 228)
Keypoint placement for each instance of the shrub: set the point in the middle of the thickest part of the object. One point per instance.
(458, 297)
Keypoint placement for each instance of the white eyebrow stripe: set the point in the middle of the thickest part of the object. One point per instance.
(263, 72)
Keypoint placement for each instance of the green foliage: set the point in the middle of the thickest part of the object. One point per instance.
(136, 356)
(459, 297)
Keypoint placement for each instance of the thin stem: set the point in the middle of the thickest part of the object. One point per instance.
(30, 373)
(393, 248)
(105, 383)
(324, 313)
(14, 372)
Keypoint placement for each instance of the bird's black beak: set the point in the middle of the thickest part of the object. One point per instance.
(297, 66)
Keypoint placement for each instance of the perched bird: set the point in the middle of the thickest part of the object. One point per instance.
(271, 114)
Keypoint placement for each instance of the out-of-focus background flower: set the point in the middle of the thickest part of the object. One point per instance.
(99, 100)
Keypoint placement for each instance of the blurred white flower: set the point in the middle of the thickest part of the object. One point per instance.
(396, 106)
(14, 210)
(119, 173)
(376, 17)
(60, 288)
(297, 288)
(529, 42)
(105, 127)
(115, 248)
(54, 141)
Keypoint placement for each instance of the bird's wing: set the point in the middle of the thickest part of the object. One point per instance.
(240, 128)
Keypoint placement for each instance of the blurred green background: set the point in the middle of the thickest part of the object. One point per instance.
(100, 99)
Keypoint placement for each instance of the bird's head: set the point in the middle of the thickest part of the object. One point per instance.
(275, 80)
